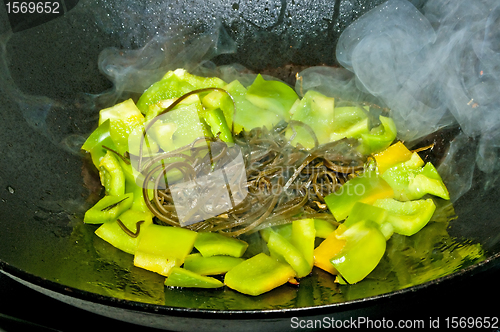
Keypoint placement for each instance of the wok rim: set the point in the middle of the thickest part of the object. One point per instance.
(163, 310)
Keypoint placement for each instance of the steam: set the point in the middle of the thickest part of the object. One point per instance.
(332, 82)
(64, 121)
(134, 70)
(434, 68)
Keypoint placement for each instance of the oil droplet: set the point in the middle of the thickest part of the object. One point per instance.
(236, 6)
(10, 189)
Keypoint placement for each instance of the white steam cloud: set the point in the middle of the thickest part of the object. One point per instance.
(433, 68)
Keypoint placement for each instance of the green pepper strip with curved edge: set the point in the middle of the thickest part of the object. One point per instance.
(180, 277)
(111, 174)
(255, 106)
(380, 137)
(258, 274)
(407, 218)
(284, 251)
(210, 265)
(378, 215)
(366, 188)
(364, 248)
(174, 84)
(108, 208)
(410, 183)
(94, 143)
(212, 244)
(161, 248)
(134, 221)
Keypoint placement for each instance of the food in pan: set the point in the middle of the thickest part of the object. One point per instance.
(197, 164)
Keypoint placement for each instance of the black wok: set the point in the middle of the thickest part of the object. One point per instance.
(50, 78)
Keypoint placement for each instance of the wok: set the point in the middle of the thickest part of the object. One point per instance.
(49, 80)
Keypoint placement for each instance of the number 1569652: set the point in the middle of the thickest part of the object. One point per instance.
(472, 322)
(40, 7)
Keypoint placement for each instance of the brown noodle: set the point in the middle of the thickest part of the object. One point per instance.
(283, 182)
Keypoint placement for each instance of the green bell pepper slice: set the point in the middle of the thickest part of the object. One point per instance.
(111, 175)
(317, 112)
(362, 211)
(217, 123)
(136, 136)
(378, 215)
(112, 233)
(366, 188)
(258, 274)
(108, 208)
(415, 162)
(379, 138)
(284, 230)
(131, 186)
(430, 181)
(210, 265)
(323, 228)
(407, 218)
(138, 203)
(293, 244)
(98, 138)
(123, 117)
(161, 248)
(248, 115)
(285, 251)
(303, 237)
(328, 122)
(163, 133)
(353, 131)
(410, 183)
(180, 126)
(174, 84)
(349, 121)
(180, 277)
(264, 103)
(273, 96)
(212, 244)
(364, 248)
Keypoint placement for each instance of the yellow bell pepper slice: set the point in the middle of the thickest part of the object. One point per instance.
(393, 155)
(330, 247)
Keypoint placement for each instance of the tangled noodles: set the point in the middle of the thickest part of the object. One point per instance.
(283, 182)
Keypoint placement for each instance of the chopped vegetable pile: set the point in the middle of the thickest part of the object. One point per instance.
(196, 162)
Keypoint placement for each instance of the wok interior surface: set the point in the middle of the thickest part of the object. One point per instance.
(46, 187)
